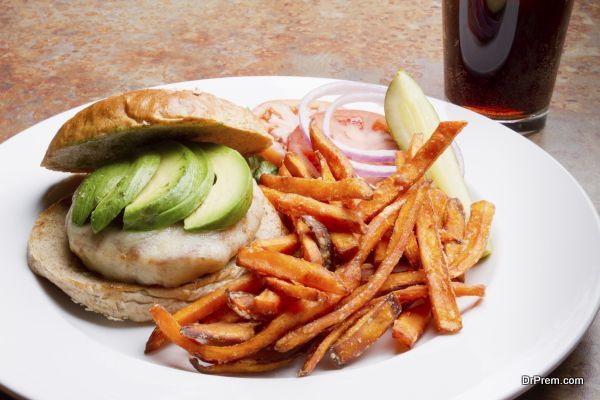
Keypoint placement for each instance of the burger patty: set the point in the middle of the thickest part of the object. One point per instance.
(167, 257)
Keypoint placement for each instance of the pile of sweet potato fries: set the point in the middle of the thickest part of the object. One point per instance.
(359, 261)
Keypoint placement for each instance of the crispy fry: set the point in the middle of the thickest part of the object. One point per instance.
(413, 256)
(380, 249)
(224, 314)
(366, 272)
(447, 237)
(439, 200)
(326, 173)
(338, 163)
(242, 303)
(283, 171)
(273, 154)
(295, 290)
(446, 314)
(454, 224)
(267, 303)
(291, 268)
(417, 292)
(345, 244)
(401, 279)
(376, 229)
(403, 226)
(477, 234)
(365, 331)
(391, 187)
(319, 189)
(322, 238)
(284, 244)
(297, 313)
(308, 247)
(219, 333)
(298, 167)
(333, 217)
(321, 349)
(241, 367)
(411, 324)
(400, 159)
(203, 307)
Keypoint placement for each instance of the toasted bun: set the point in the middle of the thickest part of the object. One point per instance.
(49, 256)
(110, 128)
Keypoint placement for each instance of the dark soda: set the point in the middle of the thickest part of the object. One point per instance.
(501, 56)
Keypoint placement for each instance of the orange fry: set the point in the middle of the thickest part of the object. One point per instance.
(478, 232)
(411, 324)
(297, 313)
(403, 226)
(319, 189)
(454, 224)
(267, 303)
(439, 200)
(295, 290)
(298, 167)
(203, 307)
(242, 303)
(417, 292)
(219, 333)
(365, 331)
(401, 279)
(273, 154)
(416, 142)
(400, 159)
(338, 163)
(326, 173)
(224, 314)
(446, 314)
(241, 367)
(283, 171)
(282, 266)
(345, 244)
(309, 248)
(380, 249)
(333, 217)
(284, 244)
(412, 254)
(391, 187)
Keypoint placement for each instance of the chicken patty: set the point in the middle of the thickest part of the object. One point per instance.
(167, 257)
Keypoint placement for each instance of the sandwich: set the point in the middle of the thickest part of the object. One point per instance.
(167, 201)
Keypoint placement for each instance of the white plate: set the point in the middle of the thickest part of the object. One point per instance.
(543, 288)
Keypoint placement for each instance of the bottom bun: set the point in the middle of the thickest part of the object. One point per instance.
(48, 255)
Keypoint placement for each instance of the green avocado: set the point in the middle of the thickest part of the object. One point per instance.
(139, 174)
(93, 189)
(230, 197)
(174, 192)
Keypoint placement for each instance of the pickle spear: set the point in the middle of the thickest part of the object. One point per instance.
(407, 111)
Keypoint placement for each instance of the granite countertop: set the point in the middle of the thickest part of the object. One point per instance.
(55, 55)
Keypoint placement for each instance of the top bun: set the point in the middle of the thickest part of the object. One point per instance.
(110, 128)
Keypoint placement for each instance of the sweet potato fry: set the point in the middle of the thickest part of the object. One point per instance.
(345, 244)
(324, 345)
(267, 303)
(412, 254)
(296, 314)
(416, 142)
(366, 272)
(284, 244)
(380, 249)
(322, 238)
(242, 303)
(417, 292)
(391, 187)
(240, 367)
(295, 290)
(338, 163)
(273, 154)
(203, 307)
(224, 314)
(219, 333)
(402, 279)
(333, 217)
(446, 314)
(400, 159)
(403, 226)
(477, 234)
(308, 247)
(454, 223)
(411, 324)
(439, 200)
(376, 229)
(298, 167)
(365, 331)
(283, 171)
(447, 237)
(326, 173)
(319, 189)
(282, 266)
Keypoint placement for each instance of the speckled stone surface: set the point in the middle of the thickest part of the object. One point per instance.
(55, 55)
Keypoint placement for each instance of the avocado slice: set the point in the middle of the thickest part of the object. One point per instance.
(93, 189)
(138, 175)
(174, 192)
(230, 197)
